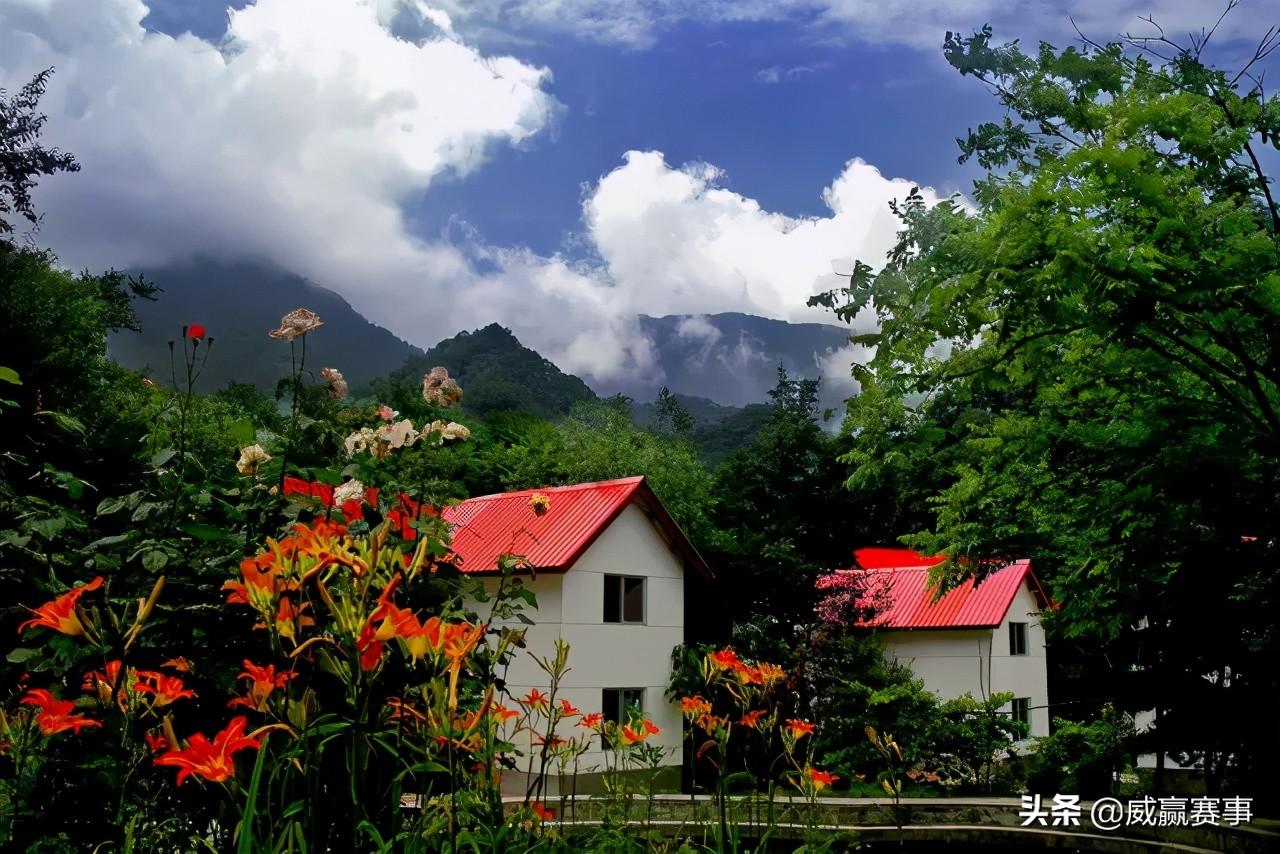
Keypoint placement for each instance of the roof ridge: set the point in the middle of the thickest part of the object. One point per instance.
(569, 487)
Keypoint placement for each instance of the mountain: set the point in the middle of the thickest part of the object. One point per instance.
(718, 430)
(724, 360)
(497, 372)
(238, 303)
(733, 358)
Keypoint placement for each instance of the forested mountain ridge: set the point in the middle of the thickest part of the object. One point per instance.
(238, 302)
(499, 373)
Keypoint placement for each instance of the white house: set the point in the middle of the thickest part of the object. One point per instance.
(609, 567)
(978, 638)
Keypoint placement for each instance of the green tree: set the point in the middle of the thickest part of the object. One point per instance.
(22, 157)
(671, 416)
(782, 517)
(1084, 369)
(599, 442)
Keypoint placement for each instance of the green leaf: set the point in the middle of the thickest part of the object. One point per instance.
(154, 560)
(246, 842)
(102, 542)
(9, 375)
(162, 457)
(48, 528)
(64, 422)
(205, 531)
(22, 655)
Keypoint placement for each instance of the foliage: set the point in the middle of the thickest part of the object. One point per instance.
(1081, 371)
(22, 158)
(782, 516)
(599, 442)
(670, 416)
(498, 373)
(1083, 758)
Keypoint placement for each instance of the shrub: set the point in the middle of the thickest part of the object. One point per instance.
(1082, 758)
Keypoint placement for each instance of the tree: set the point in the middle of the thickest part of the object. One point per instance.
(600, 442)
(781, 517)
(671, 416)
(22, 157)
(1084, 372)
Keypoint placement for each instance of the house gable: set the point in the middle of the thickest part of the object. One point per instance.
(489, 526)
(904, 598)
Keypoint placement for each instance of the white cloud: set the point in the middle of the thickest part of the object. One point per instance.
(300, 136)
(297, 138)
(918, 23)
(777, 74)
(672, 240)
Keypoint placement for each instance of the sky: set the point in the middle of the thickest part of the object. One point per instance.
(557, 166)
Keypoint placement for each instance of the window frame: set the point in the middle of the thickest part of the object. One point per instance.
(1019, 639)
(1020, 710)
(621, 603)
(621, 709)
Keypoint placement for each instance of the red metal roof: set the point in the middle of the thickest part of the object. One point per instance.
(904, 598)
(486, 527)
(881, 558)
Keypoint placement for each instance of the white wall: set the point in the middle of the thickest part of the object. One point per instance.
(609, 655)
(977, 662)
(1024, 675)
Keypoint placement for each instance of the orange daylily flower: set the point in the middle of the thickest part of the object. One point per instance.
(567, 709)
(419, 638)
(723, 659)
(535, 699)
(290, 619)
(819, 779)
(748, 674)
(594, 720)
(164, 688)
(770, 673)
(390, 617)
(211, 760)
(262, 682)
(502, 713)
(369, 647)
(180, 664)
(709, 723)
(53, 715)
(694, 706)
(631, 736)
(459, 641)
(650, 727)
(752, 719)
(103, 683)
(156, 741)
(61, 613)
(544, 813)
(799, 728)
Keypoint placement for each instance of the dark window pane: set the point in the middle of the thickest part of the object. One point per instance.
(1022, 710)
(611, 704)
(1017, 638)
(612, 599)
(633, 600)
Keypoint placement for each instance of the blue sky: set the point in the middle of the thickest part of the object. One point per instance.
(779, 105)
(557, 166)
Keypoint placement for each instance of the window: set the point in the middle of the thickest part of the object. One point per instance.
(618, 705)
(623, 599)
(1017, 638)
(1022, 710)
